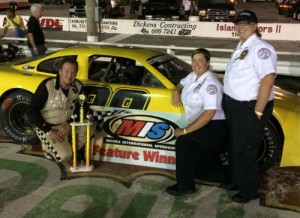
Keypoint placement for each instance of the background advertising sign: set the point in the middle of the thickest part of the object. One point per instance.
(269, 31)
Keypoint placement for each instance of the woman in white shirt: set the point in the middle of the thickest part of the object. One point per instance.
(197, 144)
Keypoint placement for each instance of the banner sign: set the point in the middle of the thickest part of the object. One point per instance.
(136, 137)
(269, 31)
(57, 23)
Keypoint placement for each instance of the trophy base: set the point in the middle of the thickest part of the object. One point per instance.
(82, 169)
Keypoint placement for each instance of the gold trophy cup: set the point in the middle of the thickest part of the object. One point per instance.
(81, 100)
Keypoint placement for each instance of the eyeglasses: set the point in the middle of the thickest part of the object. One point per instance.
(242, 23)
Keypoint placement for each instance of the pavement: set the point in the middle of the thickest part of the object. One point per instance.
(30, 186)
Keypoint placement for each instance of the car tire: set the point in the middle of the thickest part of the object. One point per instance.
(298, 16)
(295, 16)
(13, 118)
(269, 151)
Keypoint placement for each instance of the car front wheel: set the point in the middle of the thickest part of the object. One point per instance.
(13, 117)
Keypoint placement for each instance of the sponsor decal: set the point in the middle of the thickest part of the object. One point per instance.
(137, 130)
(28, 67)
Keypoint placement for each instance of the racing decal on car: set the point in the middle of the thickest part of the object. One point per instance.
(139, 99)
(151, 130)
(28, 67)
(91, 98)
(127, 102)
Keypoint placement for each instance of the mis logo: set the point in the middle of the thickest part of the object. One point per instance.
(141, 128)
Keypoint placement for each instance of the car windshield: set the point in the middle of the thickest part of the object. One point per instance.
(171, 67)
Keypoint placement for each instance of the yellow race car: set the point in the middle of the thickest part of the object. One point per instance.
(129, 91)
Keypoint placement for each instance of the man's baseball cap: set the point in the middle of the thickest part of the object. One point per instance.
(246, 15)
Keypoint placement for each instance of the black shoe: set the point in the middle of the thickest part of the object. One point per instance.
(241, 199)
(176, 190)
(229, 187)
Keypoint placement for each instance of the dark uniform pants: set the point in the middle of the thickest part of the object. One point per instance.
(246, 132)
(196, 153)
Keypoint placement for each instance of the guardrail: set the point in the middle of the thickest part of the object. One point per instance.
(286, 68)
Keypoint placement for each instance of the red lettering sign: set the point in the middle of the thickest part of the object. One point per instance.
(51, 23)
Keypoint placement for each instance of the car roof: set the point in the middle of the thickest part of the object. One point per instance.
(129, 52)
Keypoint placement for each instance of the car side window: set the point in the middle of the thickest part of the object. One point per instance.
(52, 65)
(118, 70)
(99, 67)
(149, 80)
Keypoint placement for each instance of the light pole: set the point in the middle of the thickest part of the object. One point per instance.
(92, 30)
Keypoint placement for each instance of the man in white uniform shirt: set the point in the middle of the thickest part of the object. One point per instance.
(248, 103)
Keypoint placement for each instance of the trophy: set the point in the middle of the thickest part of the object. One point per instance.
(82, 123)
(81, 100)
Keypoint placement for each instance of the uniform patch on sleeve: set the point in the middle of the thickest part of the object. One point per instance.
(264, 53)
(212, 89)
